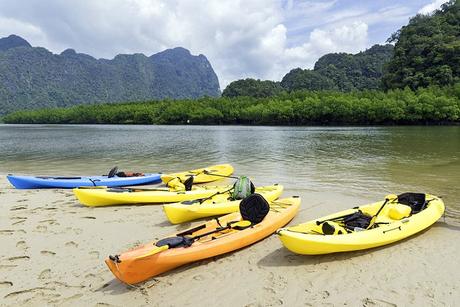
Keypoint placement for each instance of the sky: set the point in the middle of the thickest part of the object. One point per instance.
(262, 39)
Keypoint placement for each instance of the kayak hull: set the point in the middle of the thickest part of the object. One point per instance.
(96, 197)
(51, 182)
(298, 240)
(139, 264)
(217, 205)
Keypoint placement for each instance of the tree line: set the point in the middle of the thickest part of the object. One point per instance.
(401, 106)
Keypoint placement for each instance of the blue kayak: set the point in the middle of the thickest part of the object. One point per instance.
(43, 182)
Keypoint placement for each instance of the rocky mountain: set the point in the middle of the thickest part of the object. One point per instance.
(33, 77)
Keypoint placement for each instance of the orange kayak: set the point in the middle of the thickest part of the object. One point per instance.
(216, 237)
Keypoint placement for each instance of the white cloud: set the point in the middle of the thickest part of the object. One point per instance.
(257, 38)
(429, 8)
(346, 38)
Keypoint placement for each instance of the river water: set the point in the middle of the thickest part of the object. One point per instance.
(341, 165)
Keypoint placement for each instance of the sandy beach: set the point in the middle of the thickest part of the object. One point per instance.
(53, 250)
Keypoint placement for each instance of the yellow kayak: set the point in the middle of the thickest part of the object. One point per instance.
(101, 196)
(219, 204)
(401, 216)
(201, 175)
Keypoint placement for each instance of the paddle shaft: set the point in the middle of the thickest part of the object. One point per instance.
(384, 203)
(335, 218)
(218, 175)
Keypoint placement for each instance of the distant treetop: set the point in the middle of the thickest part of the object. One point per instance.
(427, 50)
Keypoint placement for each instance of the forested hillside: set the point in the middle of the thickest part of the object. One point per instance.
(33, 77)
(427, 50)
(334, 71)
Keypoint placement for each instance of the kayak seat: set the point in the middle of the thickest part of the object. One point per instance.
(254, 208)
(129, 174)
(416, 201)
(175, 242)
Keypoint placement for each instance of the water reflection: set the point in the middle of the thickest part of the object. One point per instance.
(359, 162)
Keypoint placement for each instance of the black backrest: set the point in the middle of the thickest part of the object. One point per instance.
(415, 200)
(254, 208)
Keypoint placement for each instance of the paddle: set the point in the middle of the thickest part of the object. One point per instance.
(388, 198)
(253, 210)
(334, 218)
(183, 241)
(206, 172)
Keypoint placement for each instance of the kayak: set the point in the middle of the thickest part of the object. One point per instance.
(219, 204)
(206, 240)
(201, 175)
(101, 196)
(62, 182)
(404, 216)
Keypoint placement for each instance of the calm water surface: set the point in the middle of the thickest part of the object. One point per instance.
(322, 164)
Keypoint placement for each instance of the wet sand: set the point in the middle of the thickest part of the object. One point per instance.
(53, 250)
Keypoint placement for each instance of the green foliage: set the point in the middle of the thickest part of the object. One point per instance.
(305, 79)
(427, 105)
(252, 88)
(334, 71)
(360, 71)
(32, 78)
(427, 50)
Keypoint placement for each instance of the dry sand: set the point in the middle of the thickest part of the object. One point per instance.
(52, 252)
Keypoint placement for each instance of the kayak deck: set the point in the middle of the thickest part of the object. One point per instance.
(140, 263)
(69, 182)
(94, 197)
(219, 204)
(308, 238)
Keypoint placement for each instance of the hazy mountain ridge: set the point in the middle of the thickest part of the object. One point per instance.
(33, 77)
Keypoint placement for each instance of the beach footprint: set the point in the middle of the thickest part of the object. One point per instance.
(16, 208)
(47, 253)
(49, 222)
(45, 274)
(22, 245)
(41, 228)
(71, 244)
(18, 259)
(7, 232)
(15, 220)
(368, 302)
(5, 284)
(89, 217)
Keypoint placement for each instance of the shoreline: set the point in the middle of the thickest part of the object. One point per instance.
(54, 250)
(447, 124)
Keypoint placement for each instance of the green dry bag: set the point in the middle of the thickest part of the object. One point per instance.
(242, 188)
